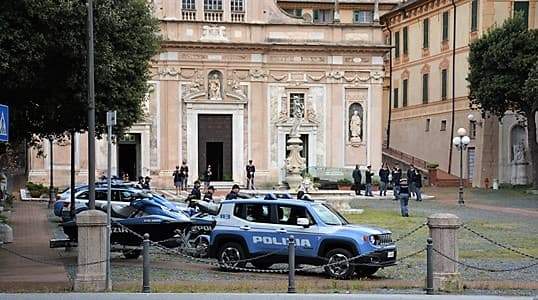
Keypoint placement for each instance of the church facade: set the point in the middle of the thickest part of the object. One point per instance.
(224, 85)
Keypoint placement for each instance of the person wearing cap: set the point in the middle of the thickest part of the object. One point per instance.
(250, 175)
(195, 193)
(404, 197)
(234, 193)
(300, 194)
(146, 185)
(209, 194)
(369, 175)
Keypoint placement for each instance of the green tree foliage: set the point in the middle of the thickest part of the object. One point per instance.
(503, 76)
(43, 63)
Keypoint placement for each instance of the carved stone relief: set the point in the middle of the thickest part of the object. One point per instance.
(214, 85)
(213, 33)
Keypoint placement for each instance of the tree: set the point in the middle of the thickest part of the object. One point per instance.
(43, 64)
(503, 76)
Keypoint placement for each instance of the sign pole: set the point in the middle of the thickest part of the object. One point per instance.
(110, 121)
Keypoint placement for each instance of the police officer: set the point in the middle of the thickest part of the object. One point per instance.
(195, 193)
(250, 175)
(209, 194)
(357, 180)
(369, 175)
(234, 193)
(396, 176)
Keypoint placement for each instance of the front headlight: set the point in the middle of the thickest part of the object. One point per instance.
(372, 239)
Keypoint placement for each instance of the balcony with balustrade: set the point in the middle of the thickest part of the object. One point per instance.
(213, 15)
(188, 15)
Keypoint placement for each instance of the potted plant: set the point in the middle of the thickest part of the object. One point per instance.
(344, 184)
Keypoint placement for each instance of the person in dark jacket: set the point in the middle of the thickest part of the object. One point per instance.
(404, 197)
(234, 193)
(251, 169)
(357, 180)
(195, 193)
(178, 180)
(396, 176)
(146, 185)
(209, 194)
(417, 179)
(184, 173)
(369, 175)
(411, 180)
(207, 177)
(383, 179)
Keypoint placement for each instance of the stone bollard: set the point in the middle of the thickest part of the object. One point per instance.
(6, 234)
(91, 272)
(443, 229)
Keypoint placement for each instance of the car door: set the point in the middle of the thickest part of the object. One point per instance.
(258, 229)
(306, 238)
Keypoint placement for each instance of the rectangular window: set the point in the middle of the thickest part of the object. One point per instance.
(363, 16)
(425, 88)
(426, 34)
(443, 125)
(237, 6)
(298, 12)
(214, 5)
(445, 26)
(395, 100)
(323, 15)
(472, 129)
(288, 214)
(188, 4)
(474, 15)
(253, 212)
(397, 44)
(523, 8)
(428, 124)
(293, 97)
(444, 84)
(405, 41)
(404, 99)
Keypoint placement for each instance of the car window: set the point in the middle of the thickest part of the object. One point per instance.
(101, 195)
(126, 196)
(259, 213)
(328, 215)
(238, 210)
(116, 195)
(288, 214)
(83, 195)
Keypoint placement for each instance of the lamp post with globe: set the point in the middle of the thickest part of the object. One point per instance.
(461, 141)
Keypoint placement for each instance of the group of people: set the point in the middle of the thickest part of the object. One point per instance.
(404, 187)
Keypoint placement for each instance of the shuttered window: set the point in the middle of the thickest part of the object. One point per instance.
(444, 84)
(395, 100)
(426, 34)
(474, 15)
(425, 88)
(404, 99)
(397, 44)
(405, 41)
(445, 26)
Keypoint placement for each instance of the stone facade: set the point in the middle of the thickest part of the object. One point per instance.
(247, 61)
(421, 108)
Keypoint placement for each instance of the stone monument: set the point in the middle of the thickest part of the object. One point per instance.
(519, 164)
(443, 229)
(295, 163)
(214, 87)
(355, 127)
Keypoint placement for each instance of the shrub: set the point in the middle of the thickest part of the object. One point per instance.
(432, 165)
(344, 181)
(36, 190)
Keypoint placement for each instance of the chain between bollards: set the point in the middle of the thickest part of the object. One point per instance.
(429, 267)
(291, 265)
(145, 256)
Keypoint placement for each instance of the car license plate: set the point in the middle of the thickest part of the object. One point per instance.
(390, 254)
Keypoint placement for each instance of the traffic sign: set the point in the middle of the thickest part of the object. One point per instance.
(4, 123)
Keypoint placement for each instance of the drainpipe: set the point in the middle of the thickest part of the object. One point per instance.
(336, 12)
(453, 88)
(390, 85)
(376, 11)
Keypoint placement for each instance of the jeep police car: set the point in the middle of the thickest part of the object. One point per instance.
(247, 228)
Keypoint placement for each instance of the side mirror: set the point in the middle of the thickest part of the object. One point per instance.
(303, 222)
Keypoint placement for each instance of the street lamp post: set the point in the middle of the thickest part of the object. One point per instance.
(91, 111)
(461, 141)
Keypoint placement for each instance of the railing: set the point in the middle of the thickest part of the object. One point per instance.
(188, 15)
(238, 17)
(213, 16)
(420, 163)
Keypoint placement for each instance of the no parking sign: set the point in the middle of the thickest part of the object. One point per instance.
(4, 123)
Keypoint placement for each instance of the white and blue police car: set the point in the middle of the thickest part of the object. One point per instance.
(247, 228)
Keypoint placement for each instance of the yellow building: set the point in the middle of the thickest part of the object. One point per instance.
(428, 88)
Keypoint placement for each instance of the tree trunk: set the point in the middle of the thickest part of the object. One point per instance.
(533, 146)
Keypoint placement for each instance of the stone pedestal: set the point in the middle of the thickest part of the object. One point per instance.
(519, 173)
(443, 229)
(6, 234)
(295, 164)
(91, 275)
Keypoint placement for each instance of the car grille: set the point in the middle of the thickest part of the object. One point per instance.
(385, 239)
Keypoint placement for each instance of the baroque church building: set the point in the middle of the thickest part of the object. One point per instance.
(224, 84)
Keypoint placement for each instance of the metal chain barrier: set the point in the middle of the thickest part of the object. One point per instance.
(411, 255)
(44, 262)
(482, 268)
(406, 235)
(509, 248)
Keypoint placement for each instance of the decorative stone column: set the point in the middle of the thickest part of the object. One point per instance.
(295, 164)
(91, 272)
(443, 229)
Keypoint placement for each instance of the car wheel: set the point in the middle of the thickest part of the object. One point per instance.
(366, 271)
(132, 253)
(229, 255)
(261, 265)
(341, 270)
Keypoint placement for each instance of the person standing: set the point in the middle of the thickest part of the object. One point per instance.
(207, 177)
(234, 193)
(250, 175)
(396, 176)
(404, 197)
(146, 185)
(369, 175)
(357, 180)
(195, 193)
(411, 180)
(418, 184)
(178, 180)
(383, 179)
(184, 170)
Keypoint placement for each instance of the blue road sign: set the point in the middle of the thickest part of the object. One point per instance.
(4, 123)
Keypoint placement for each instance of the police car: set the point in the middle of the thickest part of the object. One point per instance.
(247, 228)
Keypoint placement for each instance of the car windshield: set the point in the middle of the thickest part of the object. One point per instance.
(329, 215)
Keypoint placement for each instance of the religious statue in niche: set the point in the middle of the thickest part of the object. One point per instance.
(519, 152)
(215, 86)
(355, 124)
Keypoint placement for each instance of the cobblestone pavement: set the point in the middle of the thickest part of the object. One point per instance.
(31, 233)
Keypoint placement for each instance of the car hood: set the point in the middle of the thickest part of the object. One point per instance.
(364, 229)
